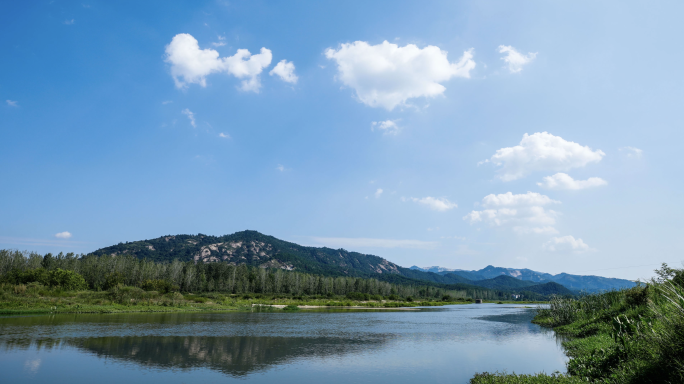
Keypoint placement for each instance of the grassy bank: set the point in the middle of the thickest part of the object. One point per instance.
(630, 336)
(36, 298)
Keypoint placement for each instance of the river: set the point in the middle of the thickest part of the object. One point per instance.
(436, 345)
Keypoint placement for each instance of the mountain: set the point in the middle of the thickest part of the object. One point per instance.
(435, 269)
(256, 249)
(572, 282)
(503, 282)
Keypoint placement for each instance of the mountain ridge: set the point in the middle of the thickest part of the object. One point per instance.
(257, 249)
(588, 283)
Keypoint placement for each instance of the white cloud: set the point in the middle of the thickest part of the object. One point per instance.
(69, 22)
(32, 365)
(548, 230)
(508, 199)
(193, 64)
(281, 168)
(12, 103)
(525, 212)
(631, 152)
(351, 243)
(387, 127)
(387, 75)
(224, 135)
(63, 235)
(566, 243)
(542, 151)
(220, 43)
(378, 192)
(515, 59)
(167, 102)
(285, 70)
(436, 204)
(564, 181)
(190, 115)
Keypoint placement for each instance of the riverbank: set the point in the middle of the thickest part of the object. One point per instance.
(36, 299)
(620, 337)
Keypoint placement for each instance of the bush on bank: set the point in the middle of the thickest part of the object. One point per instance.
(621, 337)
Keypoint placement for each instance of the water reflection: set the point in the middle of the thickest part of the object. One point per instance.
(443, 344)
(235, 356)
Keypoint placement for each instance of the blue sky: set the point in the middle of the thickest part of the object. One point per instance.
(392, 128)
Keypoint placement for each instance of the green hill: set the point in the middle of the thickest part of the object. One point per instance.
(258, 250)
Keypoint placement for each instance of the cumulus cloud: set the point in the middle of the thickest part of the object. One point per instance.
(566, 243)
(387, 127)
(191, 116)
(191, 65)
(378, 193)
(515, 59)
(281, 168)
(508, 199)
(631, 152)
(561, 181)
(285, 70)
(12, 103)
(69, 22)
(542, 151)
(63, 235)
(224, 135)
(525, 212)
(387, 75)
(436, 204)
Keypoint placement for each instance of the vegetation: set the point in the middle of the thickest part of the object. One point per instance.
(629, 336)
(30, 282)
(258, 250)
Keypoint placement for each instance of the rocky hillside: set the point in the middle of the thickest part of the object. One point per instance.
(256, 249)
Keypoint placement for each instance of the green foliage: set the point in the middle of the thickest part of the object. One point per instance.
(114, 279)
(159, 285)
(68, 280)
(358, 296)
(504, 378)
(291, 307)
(630, 336)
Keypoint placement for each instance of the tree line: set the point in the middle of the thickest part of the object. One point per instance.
(106, 272)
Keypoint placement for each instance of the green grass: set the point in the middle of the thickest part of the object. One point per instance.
(620, 337)
(35, 298)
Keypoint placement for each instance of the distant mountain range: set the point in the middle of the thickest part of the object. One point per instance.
(256, 249)
(572, 282)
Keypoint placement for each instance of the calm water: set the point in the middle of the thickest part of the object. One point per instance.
(437, 345)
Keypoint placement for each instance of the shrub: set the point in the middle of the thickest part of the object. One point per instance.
(68, 280)
(637, 296)
(114, 279)
(358, 296)
(159, 285)
(447, 298)
(409, 299)
(19, 289)
(16, 276)
(394, 297)
(291, 307)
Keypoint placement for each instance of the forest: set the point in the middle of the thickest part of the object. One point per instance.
(100, 273)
